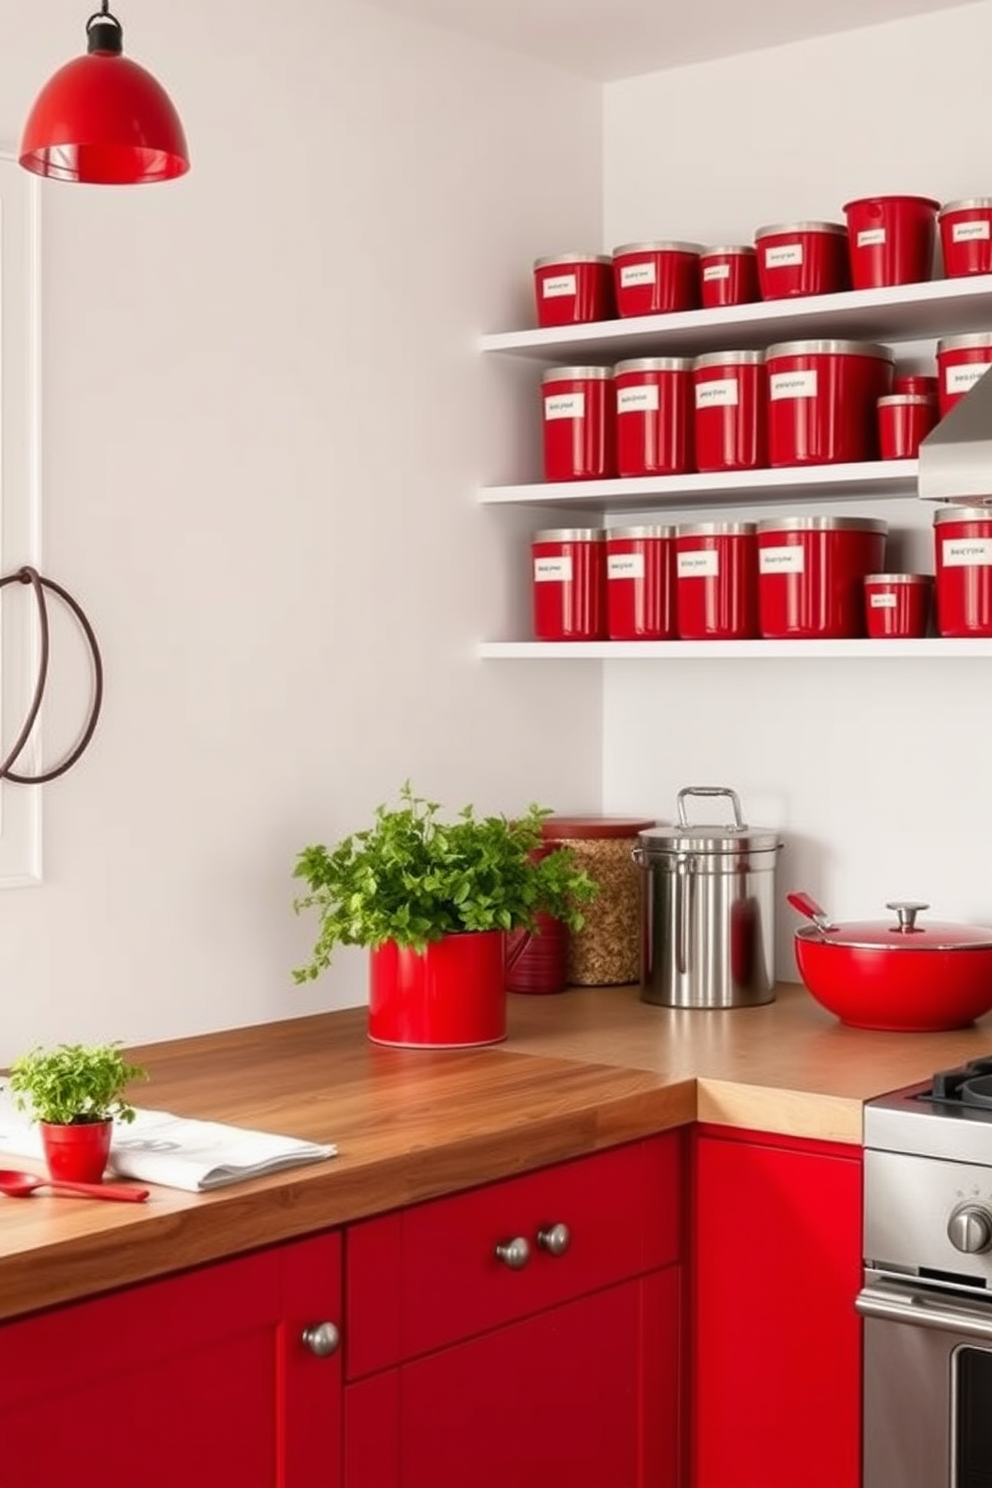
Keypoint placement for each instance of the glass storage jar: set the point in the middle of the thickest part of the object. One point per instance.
(606, 951)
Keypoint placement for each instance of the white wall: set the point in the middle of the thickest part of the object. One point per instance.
(263, 423)
(874, 768)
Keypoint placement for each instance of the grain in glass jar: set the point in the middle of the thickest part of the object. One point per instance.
(606, 951)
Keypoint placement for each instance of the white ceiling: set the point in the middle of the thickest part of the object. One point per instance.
(608, 39)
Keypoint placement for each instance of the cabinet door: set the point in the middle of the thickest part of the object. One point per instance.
(777, 1367)
(586, 1393)
(201, 1378)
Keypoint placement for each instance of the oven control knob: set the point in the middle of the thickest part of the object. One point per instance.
(969, 1229)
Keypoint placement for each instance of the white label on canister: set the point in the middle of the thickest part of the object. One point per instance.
(881, 601)
(565, 405)
(715, 271)
(871, 237)
(792, 385)
(962, 379)
(556, 286)
(789, 558)
(642, 399)
(553, 570)
(625, 566)
(699, 563)
(966, 552)
(969, 232)
(784, 255)
(722, 392)
(637, 273)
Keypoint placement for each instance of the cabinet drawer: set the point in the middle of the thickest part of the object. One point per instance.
(430, 1275)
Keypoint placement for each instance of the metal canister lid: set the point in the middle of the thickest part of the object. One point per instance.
(657, 248)
(823, 524)
(715, 529)
(704, 838)
(899, 578)
(572, 258)
(962, 514)
(577, 374)
(969, 204)
(639, 532)
(724, 250)
(830, 348)
(903, 400)
(569, 534)
(780, 229)
(579, 828)
(729, 359)
(969, 342)
(653, 364)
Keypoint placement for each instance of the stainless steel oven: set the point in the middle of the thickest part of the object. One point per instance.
(927, 1294)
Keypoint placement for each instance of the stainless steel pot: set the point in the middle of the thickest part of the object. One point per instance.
(707, 910)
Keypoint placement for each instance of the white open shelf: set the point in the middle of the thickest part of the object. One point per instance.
(905, 312)
(938, 646)
(877, 478)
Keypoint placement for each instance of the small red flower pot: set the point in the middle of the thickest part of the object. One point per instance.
(78, 1153)
(451, 995)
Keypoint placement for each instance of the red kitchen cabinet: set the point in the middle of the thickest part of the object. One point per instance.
(202, 1380)
(776, 1368)
(469, 1370)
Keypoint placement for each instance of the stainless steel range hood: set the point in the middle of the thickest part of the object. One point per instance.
(956, 457)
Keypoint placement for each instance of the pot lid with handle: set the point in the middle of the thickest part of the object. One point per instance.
(734, 836)
(904, 932)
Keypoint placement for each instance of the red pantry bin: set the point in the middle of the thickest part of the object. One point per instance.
(656, 278)
(891, 240)
(822, 401)
(966, 236)
(568, 573)
(579, 423)
(897, 605)
(802, 258)
(904, 421)
(811, 575)
(963, 553)
(717, 581)
(730, 396)
(961, 361)
(573, 288)
(640, 583)
(728, 276)
(654, 416)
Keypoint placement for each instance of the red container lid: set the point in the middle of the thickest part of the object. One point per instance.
(594, 826)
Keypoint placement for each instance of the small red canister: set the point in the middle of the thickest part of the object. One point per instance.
(897, 605)
(811, 574)
(822, 398)
(730, 397)
(966, 236)
(891, 240)
(728, 276)
(654, 416)
(652, 278)
(640, 583)
(917, 384)
(963, 552)
(904, 421)
(569, 584)
(572, 288)
(717, 581)
(961, 361)
(802, 258)
(538, 962)
(579, 423)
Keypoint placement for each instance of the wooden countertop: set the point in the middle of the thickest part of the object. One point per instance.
(580, 1071)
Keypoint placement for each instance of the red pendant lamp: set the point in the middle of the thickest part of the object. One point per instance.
(103, 119)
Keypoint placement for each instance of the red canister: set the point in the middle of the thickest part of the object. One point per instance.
(654, 416)
(717, 581)
(963, 552)
(904, 421)
(891, 240)
(966, 236)
(728, 276)
(822, 398)
(802, 258)
(917, 384)
(811, 575)
(897, 605)
(652, 278)
(640, 583)
(572, 288)
(568, 566)
(961, 361)
(538, 962)
(730, 397)
(579, 423)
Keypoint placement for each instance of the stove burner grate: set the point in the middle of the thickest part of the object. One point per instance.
(969, 1084)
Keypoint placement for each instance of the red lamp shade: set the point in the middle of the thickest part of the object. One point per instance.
(103, 119)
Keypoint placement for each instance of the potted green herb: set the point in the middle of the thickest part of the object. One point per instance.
(75, 1092)
(433, 901)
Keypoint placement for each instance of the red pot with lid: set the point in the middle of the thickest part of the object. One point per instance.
(903, 975)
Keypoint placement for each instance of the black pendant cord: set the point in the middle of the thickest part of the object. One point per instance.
(39, 584)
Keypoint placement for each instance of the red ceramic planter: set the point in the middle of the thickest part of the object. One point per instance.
(452, 995)
(79, 1153)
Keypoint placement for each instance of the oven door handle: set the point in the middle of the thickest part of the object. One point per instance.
(920, 1310)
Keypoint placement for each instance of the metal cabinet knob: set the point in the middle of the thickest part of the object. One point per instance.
(322, 1339)
(555, 1239)
(513, 1253)
(969, 1229)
